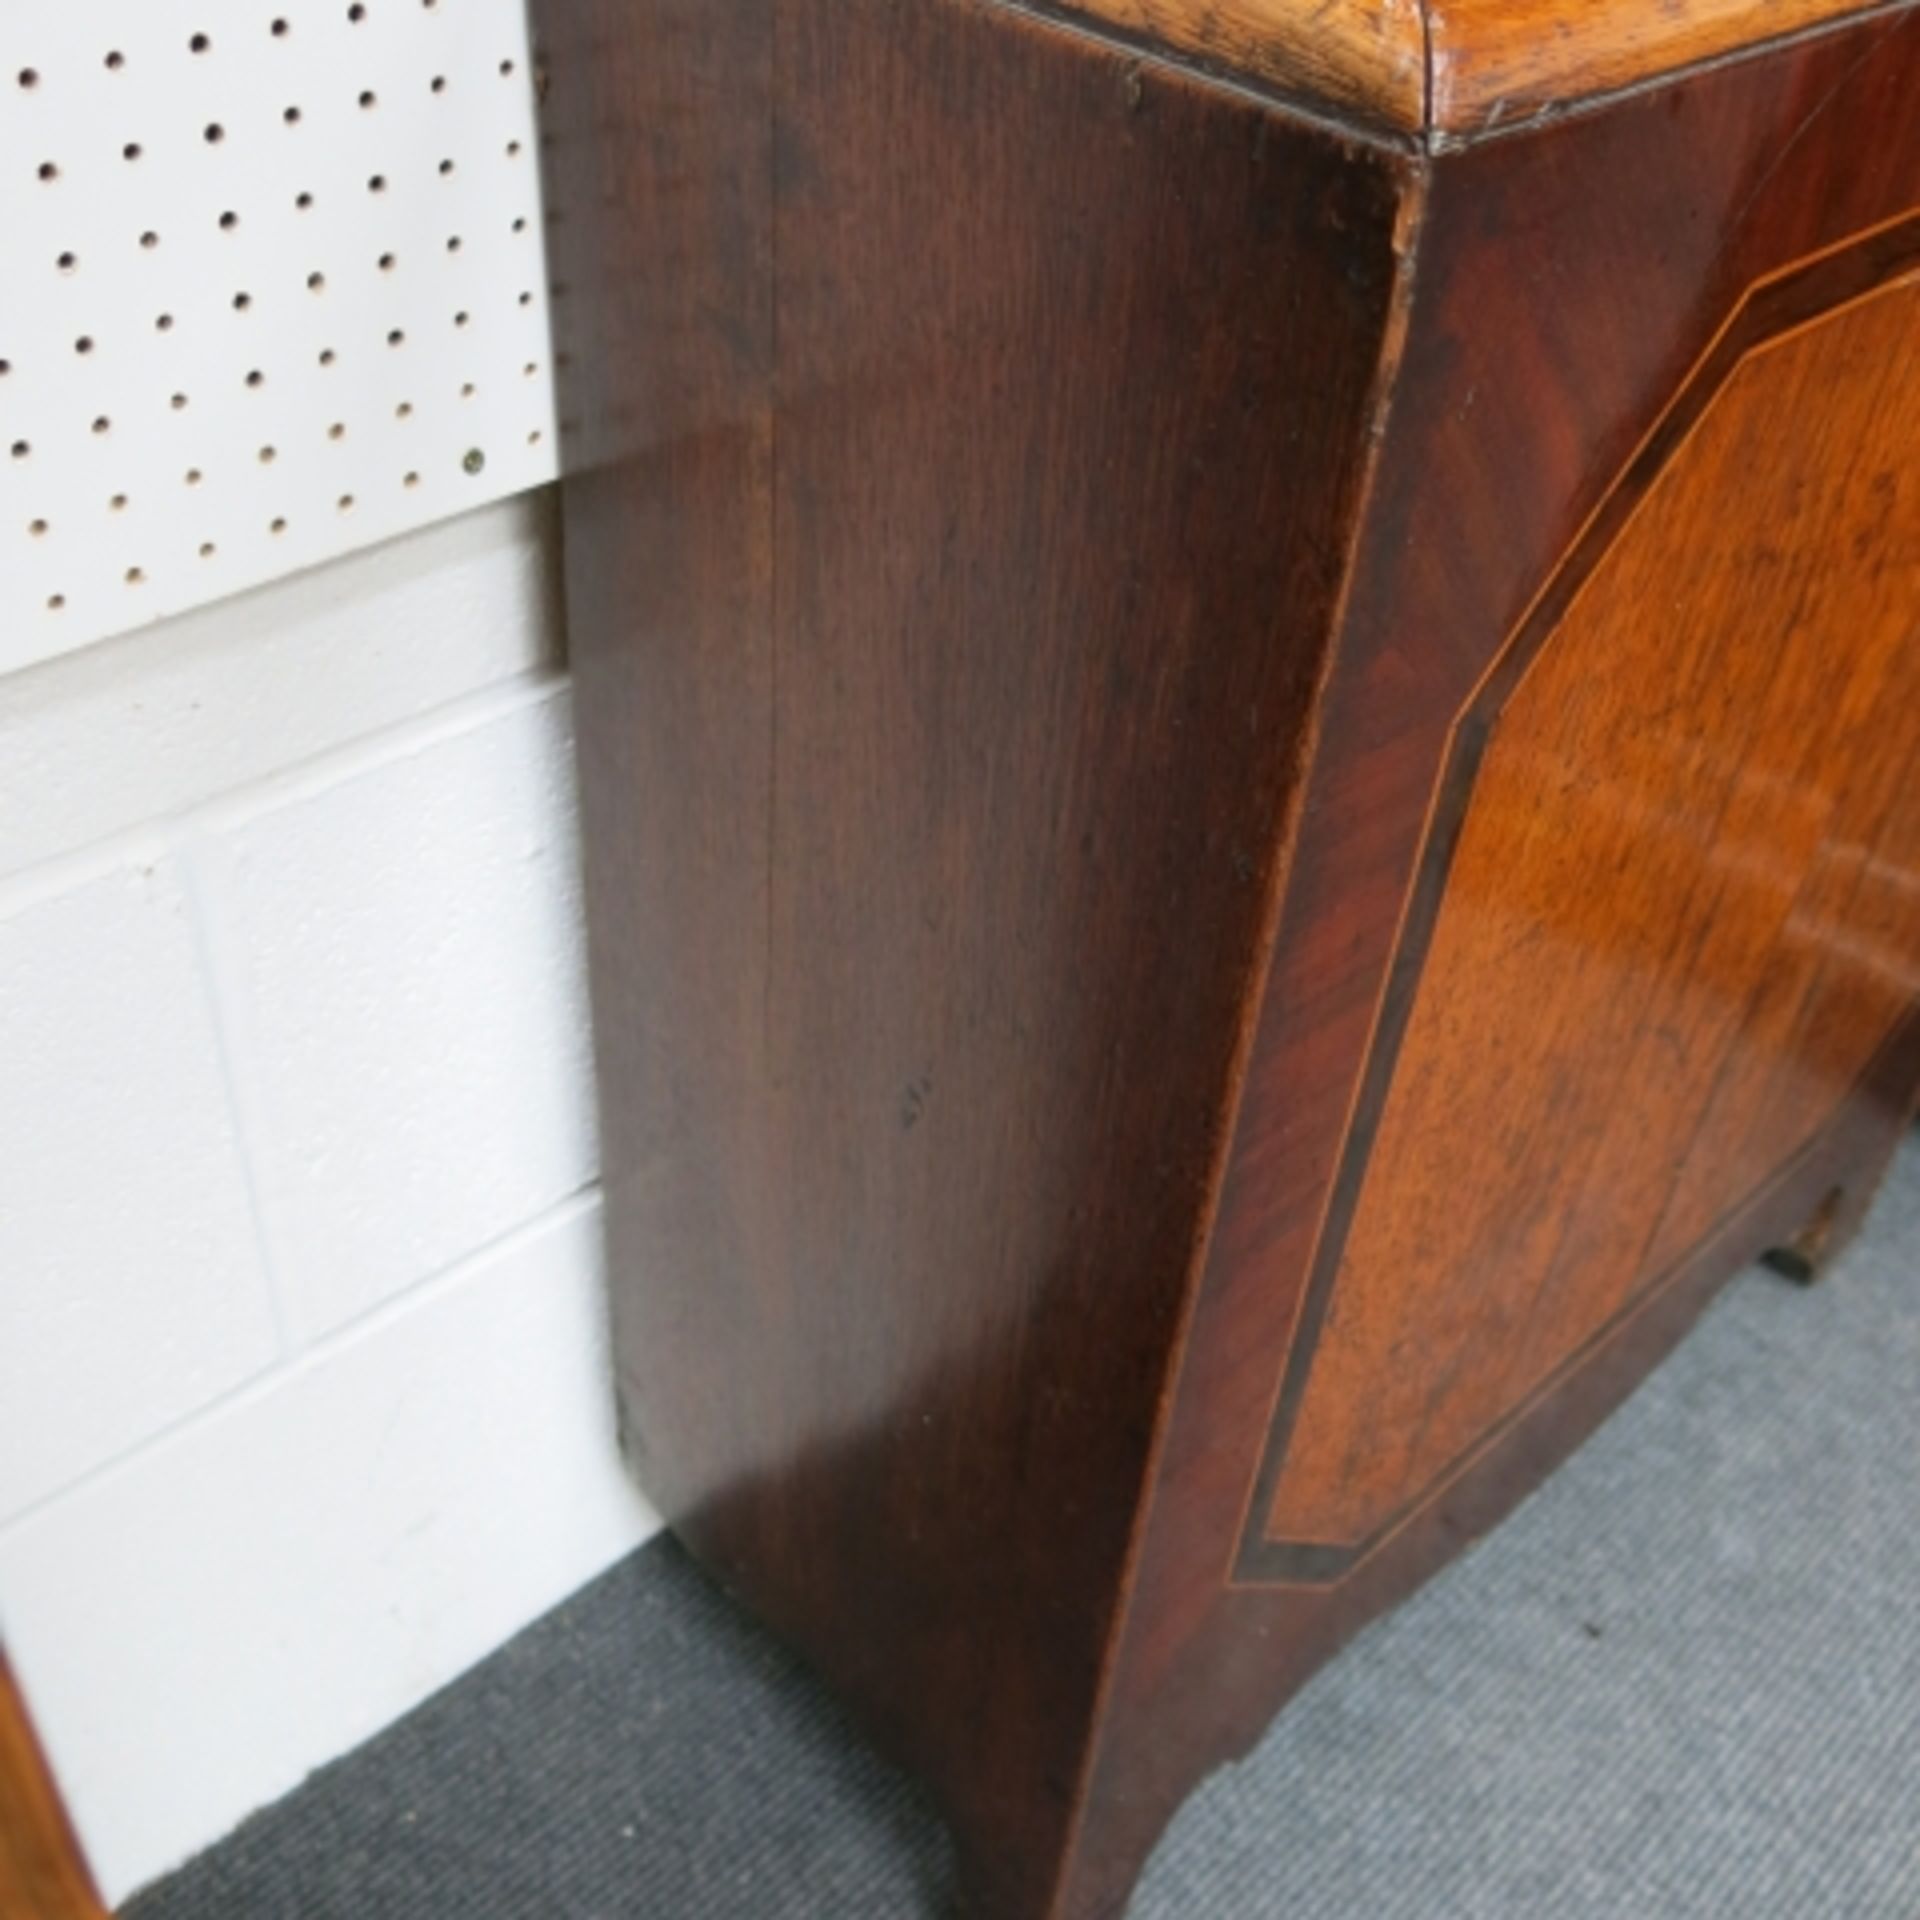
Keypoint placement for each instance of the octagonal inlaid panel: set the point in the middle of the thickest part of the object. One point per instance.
(1668, 912)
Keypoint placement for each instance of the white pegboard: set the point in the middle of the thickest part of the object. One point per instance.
(273, 289)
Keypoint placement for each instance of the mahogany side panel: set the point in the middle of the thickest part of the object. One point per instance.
(1568, 279)
(967, 431)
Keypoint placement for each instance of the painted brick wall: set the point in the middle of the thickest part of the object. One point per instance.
(303, 1395)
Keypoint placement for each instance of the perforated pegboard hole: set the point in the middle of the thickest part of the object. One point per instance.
(313, 230)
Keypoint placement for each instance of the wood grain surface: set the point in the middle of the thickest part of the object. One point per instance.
(1674, 921)
(42, 1874)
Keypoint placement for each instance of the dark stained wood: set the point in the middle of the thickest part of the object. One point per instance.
(42, 1874)
(1034, 520)
(976, 424)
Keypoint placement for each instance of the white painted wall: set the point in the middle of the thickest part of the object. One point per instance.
(303, 1400)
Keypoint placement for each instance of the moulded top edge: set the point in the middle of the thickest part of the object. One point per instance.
(1460, 67)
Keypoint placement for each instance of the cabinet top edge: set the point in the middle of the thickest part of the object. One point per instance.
(1454, 69)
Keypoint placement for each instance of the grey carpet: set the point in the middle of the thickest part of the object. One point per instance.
(1683, 1681)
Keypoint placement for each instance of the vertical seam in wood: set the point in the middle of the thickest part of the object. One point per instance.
(1427, 83)
(1409, 221)
(770, 610)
